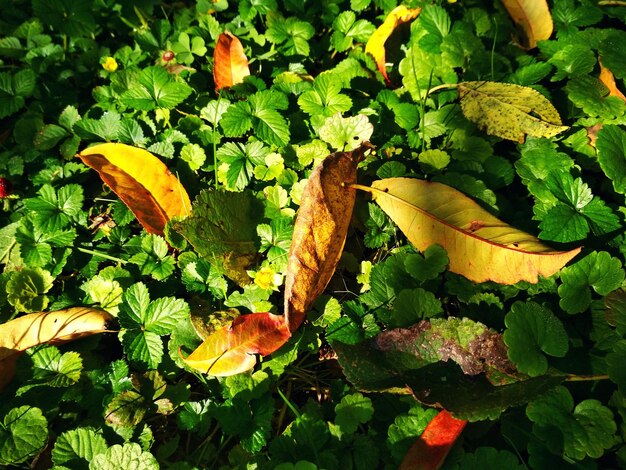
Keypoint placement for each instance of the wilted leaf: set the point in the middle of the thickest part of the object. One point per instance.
(230, 62)
(232, 349)
(509, 111)
(376, 43)
(320, 231)
(56, 327)
(142, 181)
(434, 360)
(533, 18)
(480, 246)
(432, 447)
(222, 229)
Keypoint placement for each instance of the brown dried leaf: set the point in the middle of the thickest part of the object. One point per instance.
(320, 231)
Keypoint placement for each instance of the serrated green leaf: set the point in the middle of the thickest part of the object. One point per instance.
(611, 145)
(26, 289)
(531, 330)
(56, 369)
(130, 455)
(346, 134)
(572, 60)
(78, 446)
(353, 410)
(24, 433)
(599, 271)
(144, 347)
(156, 89)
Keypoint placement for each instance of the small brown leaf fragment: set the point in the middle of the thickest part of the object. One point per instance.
(230, 64)
(320, 231)
(608, 79)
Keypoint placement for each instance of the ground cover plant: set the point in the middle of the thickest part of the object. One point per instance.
(312, 234)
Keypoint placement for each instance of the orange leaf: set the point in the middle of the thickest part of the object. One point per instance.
(320, 231)
(607, 78)
(231, 350)
(230, 64)
(480, 246)
(432, 447)
(376, 43)
(533, 18)
(142, 181)
(57, 327)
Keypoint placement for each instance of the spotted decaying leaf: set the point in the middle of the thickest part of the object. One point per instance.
(509, 111)
(376, 43)
(141, 181)
(230, 64)
(22, 333)
(480, 246)
(320, 231)
(533, 19)
(431, 448)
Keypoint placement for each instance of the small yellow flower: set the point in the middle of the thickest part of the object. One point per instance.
(267, 278)
(110, 64)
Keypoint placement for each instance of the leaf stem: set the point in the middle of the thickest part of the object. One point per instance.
(217, 110)
(583, 378)
(101, 255)
(445, 86)
(612, 3)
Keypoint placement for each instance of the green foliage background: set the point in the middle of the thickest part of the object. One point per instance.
(127, 400)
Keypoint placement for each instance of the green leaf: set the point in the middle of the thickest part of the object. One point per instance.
(194, 155)
(346, 134)
(615, 365)
(599, 271)
(56, 369)
(291, 33)
(421, 69)
(589, 94)
(427, 266)
(531, 330)
(9, 247)
(105, 292)
(434, 159)
(154, 260)
(572, 61)
(144, 347)
(611, 145)
(587, 430)
(49, 136)
(276, 240)
(353, 410)
(26, 289)
(106, 128)
(72, 19)
(406, 428)
(413, 305)
(222, 229)
(127, 456)
(14, 89)
(563, 224)
(386, 278)
(164, 313)
(488, 457)
(54, 210)
(23, 434)
(379, 229)
(325, 99)
(610, 52)
(156, 89)
(77, 447)
(186, 48)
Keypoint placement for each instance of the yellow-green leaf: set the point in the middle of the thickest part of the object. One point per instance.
(533, 18)
(480, 246)
(509, 111)
(142, 181)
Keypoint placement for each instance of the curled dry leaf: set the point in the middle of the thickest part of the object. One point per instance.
(480, 246)
(57, 327)
(376, 43)
(232, 349)
(230, 64)
(608, 80)
(509, 111)
(141, 181)
(432, 447)
(533, 19)
(320, 231)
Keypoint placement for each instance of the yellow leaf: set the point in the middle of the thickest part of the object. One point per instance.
(533, 18)
(509, 111)
(230, 64)
(480, 246)
(607, 78)
(142, 181)
(376, 43)
(320, 231)
(57, 327)
(232, 349)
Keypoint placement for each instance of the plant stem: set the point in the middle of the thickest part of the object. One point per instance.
(101, 255)
(442, 87)
(217, 108)
(583, 378)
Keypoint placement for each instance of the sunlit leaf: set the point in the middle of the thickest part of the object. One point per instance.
(230, 62)
(149, 189)
(480, 246)
(533, 17)
(509, 111)
(376, 43)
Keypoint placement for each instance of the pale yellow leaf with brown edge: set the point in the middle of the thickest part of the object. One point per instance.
(230, 64)
(480, 246)
(22, 333)
(320, 231)
(376, 43)
(232, 349)
(533, 18)
(509, 111)
(142, 181)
